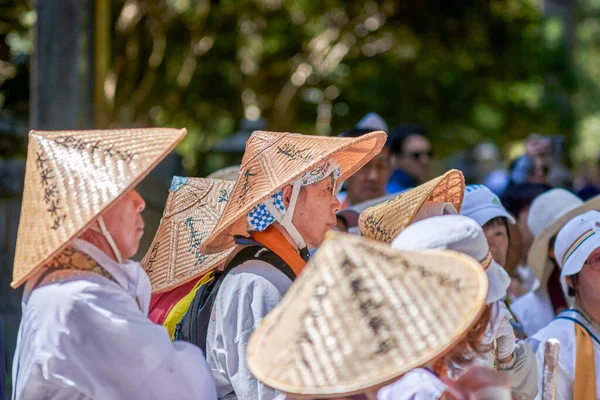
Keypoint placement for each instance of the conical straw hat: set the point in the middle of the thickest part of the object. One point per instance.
(361, 314)
(384, 221)
(273, 160)
(230, 173)
(193, 208)
(71, 177)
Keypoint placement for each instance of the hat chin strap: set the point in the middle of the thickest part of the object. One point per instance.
(104, 232)
(286, 220)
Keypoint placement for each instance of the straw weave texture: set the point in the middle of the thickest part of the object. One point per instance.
(384, 221)
(191, 212)
(71, 177)
(273, 160)
(361, 314)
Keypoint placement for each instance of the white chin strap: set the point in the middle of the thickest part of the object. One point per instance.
(286, 221)
(104, 232)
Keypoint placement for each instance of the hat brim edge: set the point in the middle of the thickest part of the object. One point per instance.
(232, 228)
(15, 284)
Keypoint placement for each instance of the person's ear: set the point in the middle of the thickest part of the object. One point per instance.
(570, 282)
(286, 195)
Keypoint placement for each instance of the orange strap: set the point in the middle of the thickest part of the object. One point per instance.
(584, 387)
(274, 240)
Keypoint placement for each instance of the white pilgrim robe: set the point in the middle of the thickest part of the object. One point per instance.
(248, 293)
(564, 331)
(85, 337)
(534, 310)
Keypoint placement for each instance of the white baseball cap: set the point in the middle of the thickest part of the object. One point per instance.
(481, 204)
(576, 241)
(458, 233)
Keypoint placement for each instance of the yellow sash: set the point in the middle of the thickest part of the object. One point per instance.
(179, 309)
(585, 372)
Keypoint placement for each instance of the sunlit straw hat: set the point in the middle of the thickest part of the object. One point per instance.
(273, 160)
(193, 208)
(71, 177)
(385, 221)
(361, 314)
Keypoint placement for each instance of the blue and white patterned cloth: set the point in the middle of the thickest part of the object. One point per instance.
(260, 217)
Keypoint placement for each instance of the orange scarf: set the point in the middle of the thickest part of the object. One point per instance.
(584, 387)
(274, 240)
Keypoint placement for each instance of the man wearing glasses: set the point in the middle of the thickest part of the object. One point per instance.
(411, 150)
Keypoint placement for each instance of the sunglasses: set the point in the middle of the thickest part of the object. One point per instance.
(420, 154)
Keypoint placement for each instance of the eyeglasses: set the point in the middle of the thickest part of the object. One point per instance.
(417, 155)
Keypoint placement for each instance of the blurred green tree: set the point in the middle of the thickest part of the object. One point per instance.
(465, 69)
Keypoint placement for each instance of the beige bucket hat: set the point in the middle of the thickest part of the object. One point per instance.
(362, 314)
(71, 177)
(548, 213)
(193, 207)
(273, 160)
(384, 221)
(230, 173)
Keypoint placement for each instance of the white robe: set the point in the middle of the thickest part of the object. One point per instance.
(564, 331)
(534, 310)
(245, 297)
(85, 337)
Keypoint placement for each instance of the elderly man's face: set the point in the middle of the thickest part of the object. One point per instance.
(314, 215)
(370, 181)
(125, 224)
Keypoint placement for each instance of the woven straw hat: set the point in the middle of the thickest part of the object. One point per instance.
(384, 221)
(273, 160)
(548, 213)
(230, 173)
(71, 177)
(361, 314)
(193, 208)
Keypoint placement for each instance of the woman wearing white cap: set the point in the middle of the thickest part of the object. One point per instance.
(577, 251)
(548, 213)
(463, 234)
(484, 206)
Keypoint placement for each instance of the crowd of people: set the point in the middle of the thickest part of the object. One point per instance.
(320, 267)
